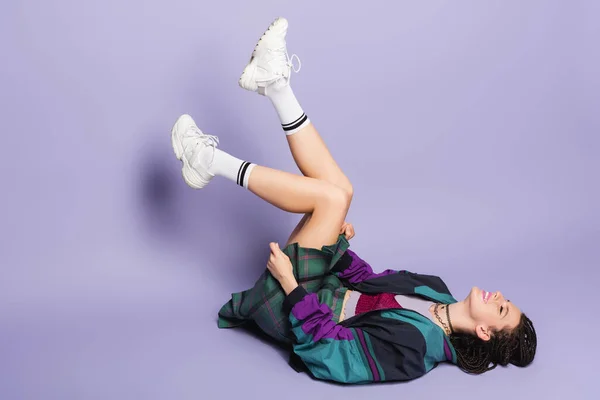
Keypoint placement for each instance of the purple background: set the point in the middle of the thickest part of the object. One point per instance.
(470, 133)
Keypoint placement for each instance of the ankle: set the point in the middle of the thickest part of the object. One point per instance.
(232, 168)
(291, 115)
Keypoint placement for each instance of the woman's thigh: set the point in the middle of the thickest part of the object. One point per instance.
(322, 227)
(299, 226)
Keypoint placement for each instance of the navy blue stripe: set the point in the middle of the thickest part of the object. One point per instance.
(365, 348)
(294, 122)
(239, 172)
(243, 174)
(289, 128)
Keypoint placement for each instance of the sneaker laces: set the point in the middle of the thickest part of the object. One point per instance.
(207, 140)
(282, 57)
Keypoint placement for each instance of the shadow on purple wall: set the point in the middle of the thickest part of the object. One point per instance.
(226, 228)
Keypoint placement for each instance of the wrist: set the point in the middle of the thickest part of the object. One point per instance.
(288, 284)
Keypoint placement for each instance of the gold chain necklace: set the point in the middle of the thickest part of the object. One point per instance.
(447, 330)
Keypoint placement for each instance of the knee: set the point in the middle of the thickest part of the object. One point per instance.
(349, 192)
(338, 198)
(347, 187)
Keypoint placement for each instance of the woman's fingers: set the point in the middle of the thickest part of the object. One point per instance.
(348, 230)
(276, 253)
(279, 263)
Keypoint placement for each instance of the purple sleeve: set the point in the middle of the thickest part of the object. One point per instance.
(359, 270)
(312, 321)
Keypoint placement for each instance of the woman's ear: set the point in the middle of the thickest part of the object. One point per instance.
(482, 332)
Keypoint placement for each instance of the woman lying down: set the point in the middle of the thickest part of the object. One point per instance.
(342, 321)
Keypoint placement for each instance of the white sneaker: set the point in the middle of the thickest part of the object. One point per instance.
(270, 63)
(195, 150)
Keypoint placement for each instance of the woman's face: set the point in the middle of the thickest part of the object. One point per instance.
(491, 312)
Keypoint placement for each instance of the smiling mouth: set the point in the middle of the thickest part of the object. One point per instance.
(486, 296)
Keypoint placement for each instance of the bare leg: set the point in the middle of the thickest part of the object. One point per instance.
(326, 203)
(315, 161)
(268, 73)
(201, 161)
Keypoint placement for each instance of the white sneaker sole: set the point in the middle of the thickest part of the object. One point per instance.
(190, 176)
(278, 21)
(246, 80)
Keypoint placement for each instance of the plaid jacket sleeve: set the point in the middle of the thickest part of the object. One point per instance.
(343, 354)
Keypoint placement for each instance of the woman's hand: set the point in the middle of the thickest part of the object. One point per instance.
(280, 266)
(348, 230)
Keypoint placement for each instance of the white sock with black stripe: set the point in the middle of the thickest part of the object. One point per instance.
(290, 113)
(234, 169)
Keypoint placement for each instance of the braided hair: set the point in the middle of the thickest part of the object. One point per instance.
(516, 347)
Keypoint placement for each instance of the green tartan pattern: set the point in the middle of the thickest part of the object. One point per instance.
(263, 303)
